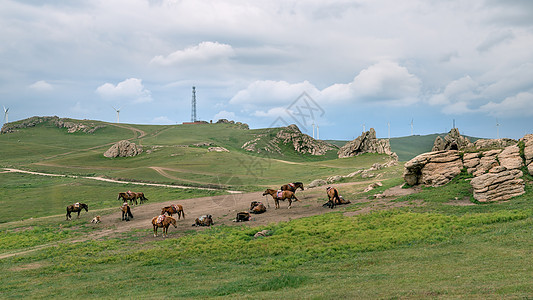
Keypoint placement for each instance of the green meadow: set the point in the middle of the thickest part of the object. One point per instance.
(420, 246)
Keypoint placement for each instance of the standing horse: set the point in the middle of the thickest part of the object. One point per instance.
(292, 187)
(281, 195)
(128, 197)
(140, 196)
(163, 221)
(333, 197)
(76, 208)
(173, 209)
(126, 212)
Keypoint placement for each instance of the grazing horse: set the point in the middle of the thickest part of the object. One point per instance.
(173, 209)
(281, 195)
(78, 207)
(292, 187)
(342, 201)
(333, 197)
(163, 221)
(206, 220)
(257, 207)
(126, 212)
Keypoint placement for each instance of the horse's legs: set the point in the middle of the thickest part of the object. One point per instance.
(79, 214)
(290, 203)
(155, 231)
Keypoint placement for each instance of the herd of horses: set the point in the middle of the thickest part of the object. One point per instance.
(165, 219)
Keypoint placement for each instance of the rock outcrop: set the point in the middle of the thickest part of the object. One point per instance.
(365, 143)
(291, 135)
(316, 182)
(496, 172)
(452, 141)
(498, 184)
(217, 149)
(123, 149)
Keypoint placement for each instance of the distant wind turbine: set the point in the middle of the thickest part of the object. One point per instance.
(497, 129)
(364, 127)
(412, 126)
(6, 110)
(313, 128)
(317, 132)
(388, 125)
(118, 114)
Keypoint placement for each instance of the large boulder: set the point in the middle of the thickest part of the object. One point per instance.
(498, 184)
(317, 182)
(493, 143)
(433, 168)
(123, 148)
(365, 143)
(452, 141)
(510, 158)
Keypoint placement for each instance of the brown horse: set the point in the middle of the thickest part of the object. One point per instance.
(173, 209)
(205, 220)
(126, 212)
(78, 207)
(333, 197)
(164, 222)
(292, 187)
(257, 207)
(132, 197)
(281, 195)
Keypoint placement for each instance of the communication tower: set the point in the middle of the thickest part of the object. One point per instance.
(193, 104)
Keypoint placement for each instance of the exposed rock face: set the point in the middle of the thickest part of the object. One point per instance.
(123, 149)
(366, 143)
(494, 143)
(239, 124)
(71, 125)
(433, 168)
(510, 158)
(497, 185)
(452, 141)
(528, 151)
(317, 182)
(291, 134)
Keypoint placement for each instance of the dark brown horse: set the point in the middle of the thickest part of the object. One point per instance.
(132, 197)
(164, 222)
(173, 209)
(257, 207)
(292, 187)
(333, 197)
(126, 212)
(281, 195)
(78, 207)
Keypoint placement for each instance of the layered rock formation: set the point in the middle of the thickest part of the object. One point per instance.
(452, 141)
(496, 172)
(292, 135)
(123, 149)
(365, 143)
(493, 143)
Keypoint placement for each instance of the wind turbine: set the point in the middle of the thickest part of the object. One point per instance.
(6, 110)
(317, 132)
(313, 128)
(364, 128)
(412, 125)
(388, 125)
(118, 114)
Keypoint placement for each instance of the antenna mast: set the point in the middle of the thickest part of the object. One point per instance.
(497, 129)
(193, 104)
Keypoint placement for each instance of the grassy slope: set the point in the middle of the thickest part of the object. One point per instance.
(481, 251)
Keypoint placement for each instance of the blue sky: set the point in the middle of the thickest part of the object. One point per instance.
(362, 63)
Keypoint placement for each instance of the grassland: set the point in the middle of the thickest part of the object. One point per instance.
(433, 244)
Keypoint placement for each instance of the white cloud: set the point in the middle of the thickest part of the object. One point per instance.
(203, 52)
(273, 113)
(129, 89)
(224, 115)
(520, 105)
(41, 86)
(269, 92)
(163, 120)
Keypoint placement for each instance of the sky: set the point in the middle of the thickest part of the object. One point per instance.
(401, 67)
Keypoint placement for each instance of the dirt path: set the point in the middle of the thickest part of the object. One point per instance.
(223, 208)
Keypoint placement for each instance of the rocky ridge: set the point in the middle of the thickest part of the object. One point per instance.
(70, 125)
(452, 141)
(292, 135)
